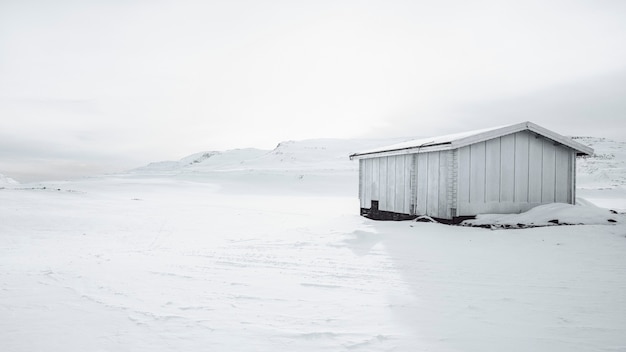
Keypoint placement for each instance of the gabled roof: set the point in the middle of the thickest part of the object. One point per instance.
(458, 140)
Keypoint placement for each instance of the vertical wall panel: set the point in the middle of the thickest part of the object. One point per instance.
(522, 141)
(507, 171)
(463, 177)
(375, 178)
(422, 184)
(382, 201)
(492, 170)
(572, 168)
(535, 165)
(548, 171)
(362, 182)
(442, 197)
(409, 171)
(367, 185)
(391, 183)
(400, 189)
(562, 177)
(451, 187)
(433, 183)
(477, 173)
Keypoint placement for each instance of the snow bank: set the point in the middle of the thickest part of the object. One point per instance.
(550, 215)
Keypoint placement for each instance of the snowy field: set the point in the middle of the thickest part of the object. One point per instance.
(254, 250)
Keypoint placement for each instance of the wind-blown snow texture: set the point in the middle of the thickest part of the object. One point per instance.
(252, 250)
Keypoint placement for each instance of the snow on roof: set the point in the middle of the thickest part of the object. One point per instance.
(457, 140)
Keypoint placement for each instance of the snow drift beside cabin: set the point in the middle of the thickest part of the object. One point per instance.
(551, 215)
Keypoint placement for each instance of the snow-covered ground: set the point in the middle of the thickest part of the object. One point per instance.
(251, 250)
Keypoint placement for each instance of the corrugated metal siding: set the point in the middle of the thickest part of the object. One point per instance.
(512, 173)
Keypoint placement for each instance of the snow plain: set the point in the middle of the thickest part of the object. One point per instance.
(252, 250)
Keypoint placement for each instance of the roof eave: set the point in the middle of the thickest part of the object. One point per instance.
(481, 137)
(403, 151)
(581, 149)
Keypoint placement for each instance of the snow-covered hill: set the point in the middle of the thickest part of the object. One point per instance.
(208, 160)
(312, 154)
(606, 167)
(292, 162)
(7, 181)
(316, 166)
(601, 177)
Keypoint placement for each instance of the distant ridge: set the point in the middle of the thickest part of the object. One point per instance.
(5, 181)
(205, 160)
(606, 168)
(311, 154)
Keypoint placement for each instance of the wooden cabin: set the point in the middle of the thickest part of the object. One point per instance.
(507, 169)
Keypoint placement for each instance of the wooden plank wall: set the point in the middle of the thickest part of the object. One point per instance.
(509, 174)
(432, 171)
(387, 180)
(513, 173)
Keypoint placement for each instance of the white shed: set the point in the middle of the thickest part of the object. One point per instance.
(507, 169)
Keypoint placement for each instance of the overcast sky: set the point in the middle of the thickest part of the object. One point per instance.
(98, 86)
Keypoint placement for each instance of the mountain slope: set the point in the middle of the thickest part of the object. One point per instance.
(5, 181)
(606, 167)
(312, 154)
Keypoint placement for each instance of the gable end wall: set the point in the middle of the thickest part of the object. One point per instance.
(513, 173)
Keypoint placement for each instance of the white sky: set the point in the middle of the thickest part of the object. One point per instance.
(96, 86)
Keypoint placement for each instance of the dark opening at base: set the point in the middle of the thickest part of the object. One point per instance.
(375, 214)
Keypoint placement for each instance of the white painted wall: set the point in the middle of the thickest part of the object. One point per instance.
(508, 174)
(387, 180)
(431, 172)
(512, 174)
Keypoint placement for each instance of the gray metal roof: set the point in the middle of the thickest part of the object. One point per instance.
(458, 140)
